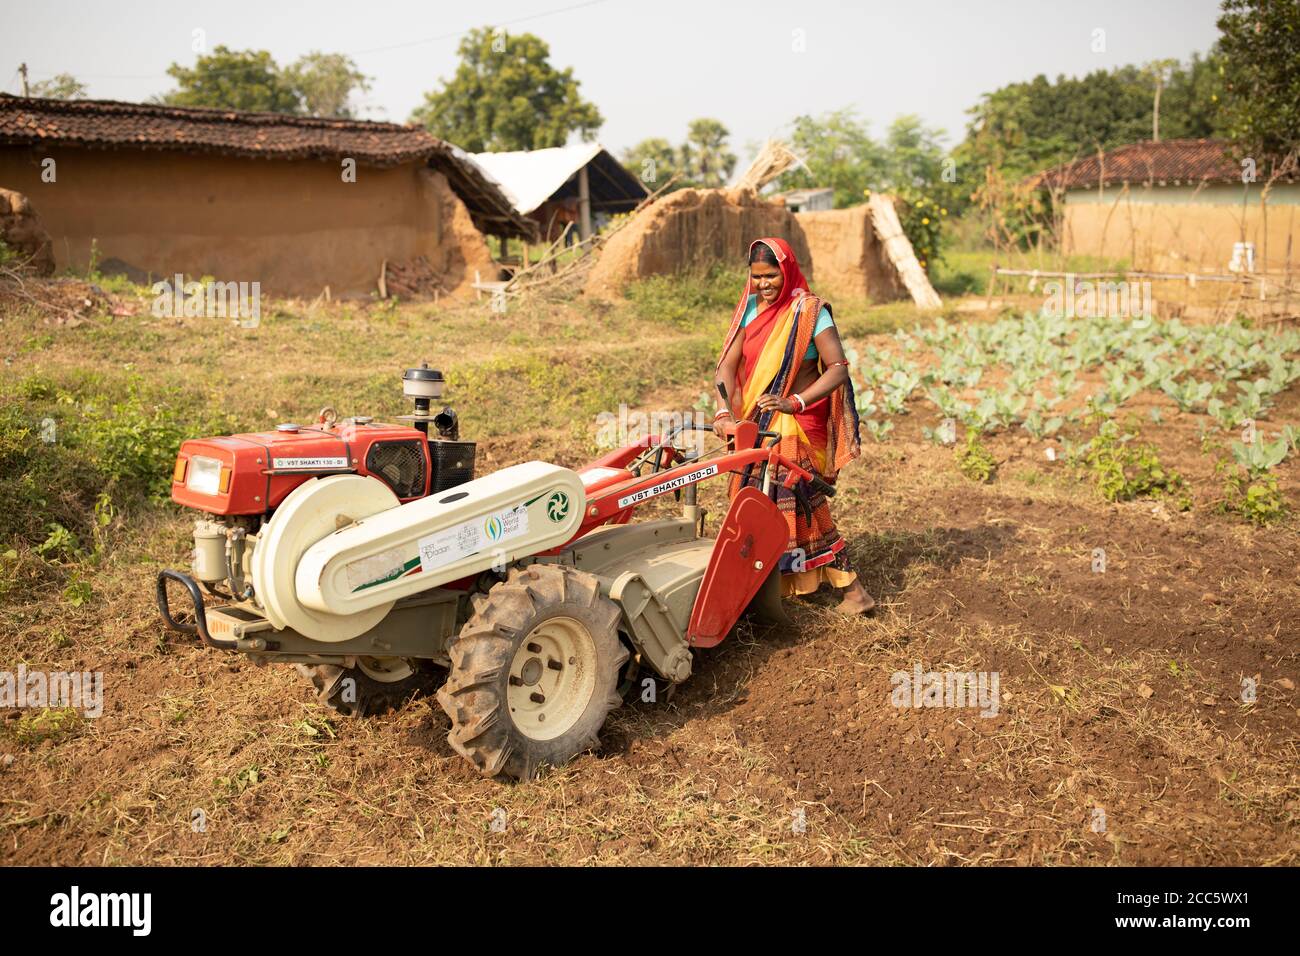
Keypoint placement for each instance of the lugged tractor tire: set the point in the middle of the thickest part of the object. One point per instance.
(364, 690)
(541, 646)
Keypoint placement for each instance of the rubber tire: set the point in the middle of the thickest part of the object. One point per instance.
(372, 696)
(475, 695)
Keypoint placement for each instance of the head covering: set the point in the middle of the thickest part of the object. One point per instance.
(793, 285)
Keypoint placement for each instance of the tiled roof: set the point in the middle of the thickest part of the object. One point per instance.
(1167, 162)
(104, 123)
(107, 124)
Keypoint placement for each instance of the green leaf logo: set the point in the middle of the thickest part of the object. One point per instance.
(557, 508)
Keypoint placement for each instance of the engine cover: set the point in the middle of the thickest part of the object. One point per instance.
(513, 513)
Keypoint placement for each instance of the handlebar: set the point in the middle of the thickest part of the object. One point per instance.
(732, 427)
(728, 429)
(819, 484)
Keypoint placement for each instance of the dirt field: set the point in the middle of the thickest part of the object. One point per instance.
(1120, 691)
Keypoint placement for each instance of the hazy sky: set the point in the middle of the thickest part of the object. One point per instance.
(649, 67)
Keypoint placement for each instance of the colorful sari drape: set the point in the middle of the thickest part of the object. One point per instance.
(823, 438)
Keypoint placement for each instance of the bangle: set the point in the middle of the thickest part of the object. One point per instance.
(803, 406)
(833, 364)
(722, 411)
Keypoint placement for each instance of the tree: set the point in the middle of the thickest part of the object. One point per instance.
(704, 159)
(1159, 71)
(325, 82)
(1260, 43)
(234, 79)
(507, 96)
(913, 153)
(1192, 101)
(653, 161)
(64, 86)
(837, 152)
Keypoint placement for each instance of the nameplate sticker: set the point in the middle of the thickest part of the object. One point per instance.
(307, 464)
(671, 484)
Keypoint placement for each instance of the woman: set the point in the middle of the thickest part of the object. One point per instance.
(782, 365)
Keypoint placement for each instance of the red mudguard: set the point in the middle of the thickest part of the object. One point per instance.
(750, 542)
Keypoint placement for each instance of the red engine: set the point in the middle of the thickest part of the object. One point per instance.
(250, 474)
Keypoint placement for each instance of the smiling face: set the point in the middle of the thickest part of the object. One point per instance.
(766, 281)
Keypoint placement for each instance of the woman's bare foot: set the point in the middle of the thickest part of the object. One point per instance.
(856, 600)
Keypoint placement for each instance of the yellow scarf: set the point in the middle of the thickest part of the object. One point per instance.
(765, 369)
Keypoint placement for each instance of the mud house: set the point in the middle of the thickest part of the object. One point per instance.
(295, 203)
(1178, 205)
(582, 184)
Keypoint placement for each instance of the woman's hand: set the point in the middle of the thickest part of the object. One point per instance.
(721, 422)
(769, 401)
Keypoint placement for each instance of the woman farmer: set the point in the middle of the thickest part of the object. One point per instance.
(782, 366)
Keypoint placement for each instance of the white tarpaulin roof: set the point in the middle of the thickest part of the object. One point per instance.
(530, 177)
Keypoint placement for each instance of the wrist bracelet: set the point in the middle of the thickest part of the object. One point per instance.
(722, 411)
(803, 406)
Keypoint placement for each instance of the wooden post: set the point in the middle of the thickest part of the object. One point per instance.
(1286, 301)
(584, 205)
(988, 297)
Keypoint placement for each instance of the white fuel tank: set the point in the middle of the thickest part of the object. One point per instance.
(512, 513)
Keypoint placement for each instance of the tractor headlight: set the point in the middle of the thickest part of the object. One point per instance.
(204, 475)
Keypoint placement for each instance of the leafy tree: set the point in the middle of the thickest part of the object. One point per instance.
(837, 152)
(64, 86)
(1260, 41)
(234, 79)
(654, 161)
(913, 153)
(1191, 105)
(326, 82)
(507, 96)
(704, 159)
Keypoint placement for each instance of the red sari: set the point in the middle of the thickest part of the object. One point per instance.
(822, 438)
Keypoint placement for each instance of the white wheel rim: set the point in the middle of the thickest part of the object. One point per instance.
(385, 670)
(552, 678)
